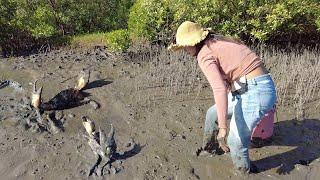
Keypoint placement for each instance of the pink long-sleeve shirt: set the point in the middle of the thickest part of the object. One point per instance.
(223, 61)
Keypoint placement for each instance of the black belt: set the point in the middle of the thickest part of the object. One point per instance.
(242, 87)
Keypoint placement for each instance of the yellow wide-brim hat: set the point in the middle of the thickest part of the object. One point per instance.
(189, 34)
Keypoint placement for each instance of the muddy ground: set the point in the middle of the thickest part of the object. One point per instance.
(160, 104)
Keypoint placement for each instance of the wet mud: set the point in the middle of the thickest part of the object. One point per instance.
(158, 122)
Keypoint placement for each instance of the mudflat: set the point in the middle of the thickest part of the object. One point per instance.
(156, 100)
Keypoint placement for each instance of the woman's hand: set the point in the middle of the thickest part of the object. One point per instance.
(222, 139)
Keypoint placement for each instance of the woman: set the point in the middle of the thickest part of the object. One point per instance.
(229, 65)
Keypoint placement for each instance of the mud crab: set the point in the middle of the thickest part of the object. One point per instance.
(105, 149)
(65, 99)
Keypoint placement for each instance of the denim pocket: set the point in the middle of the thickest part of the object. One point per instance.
(266, 94)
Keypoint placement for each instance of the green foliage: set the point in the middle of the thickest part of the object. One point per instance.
(148, 19)
(287, 17)
(85, 16)
(34, 18)
(24, 22)
(118, 40)
(89, 40)
(318, 23)
(7, 9)
(258, 19)
(47, 19)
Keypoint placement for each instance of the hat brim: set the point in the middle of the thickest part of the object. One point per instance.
(175, 47)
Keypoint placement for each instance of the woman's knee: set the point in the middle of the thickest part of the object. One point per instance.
(233, 141)
(237, 142)
(211, 119)
(212, 112)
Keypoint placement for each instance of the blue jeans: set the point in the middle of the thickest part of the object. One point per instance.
(245, 110)
(210, 124)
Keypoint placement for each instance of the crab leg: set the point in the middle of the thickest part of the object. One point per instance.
(35, 86)
(106, 163)
(4, 84)
(94, 168)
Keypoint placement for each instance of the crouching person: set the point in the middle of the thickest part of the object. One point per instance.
(228, 64)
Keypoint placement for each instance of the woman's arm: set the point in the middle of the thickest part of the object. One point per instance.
(209, 67)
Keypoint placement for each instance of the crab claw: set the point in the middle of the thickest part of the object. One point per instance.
(36, 96)
(35, 86)
(83, 79)
(102, 136)
(111, 145)
(88, 125)
(110, 136)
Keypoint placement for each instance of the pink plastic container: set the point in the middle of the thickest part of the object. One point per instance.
(264, 129)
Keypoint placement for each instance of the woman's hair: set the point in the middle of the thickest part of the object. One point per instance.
(213, 36)
(224, 38)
